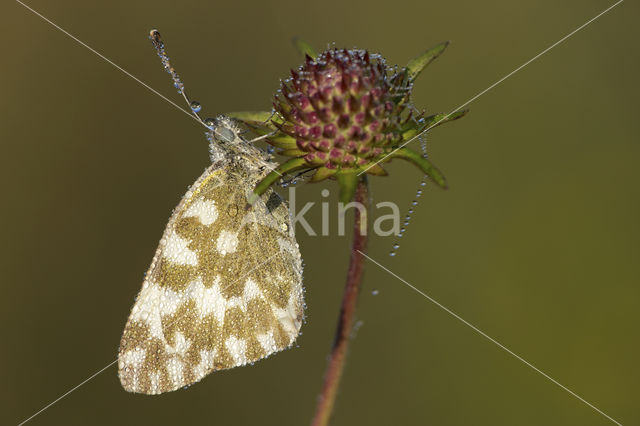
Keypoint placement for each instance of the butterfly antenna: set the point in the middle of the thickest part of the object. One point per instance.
(194, 106)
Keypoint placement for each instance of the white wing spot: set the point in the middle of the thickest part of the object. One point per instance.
(174, 367)
(289, 318)
(155, 382)
(267, 342)
(227, 242)
(205, 210)
(237, 348)
(236, 302)
(154, 302)
(175, 250)
(134, 357)
(251, 291)
(208, 300)
(181, 343)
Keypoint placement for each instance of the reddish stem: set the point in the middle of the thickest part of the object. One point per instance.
(347, 310)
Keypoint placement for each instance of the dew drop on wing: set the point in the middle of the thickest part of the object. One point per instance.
(232, 210)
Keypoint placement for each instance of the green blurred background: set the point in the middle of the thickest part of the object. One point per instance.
(536, 242)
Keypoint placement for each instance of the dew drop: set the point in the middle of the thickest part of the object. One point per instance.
(210, 122)
(423, 145)
(195, 106)
(232, 210)
(375, 292)
(414, 203)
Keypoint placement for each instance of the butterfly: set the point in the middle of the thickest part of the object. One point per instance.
(224, 288)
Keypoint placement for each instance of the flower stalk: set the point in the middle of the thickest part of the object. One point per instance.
(337, 359)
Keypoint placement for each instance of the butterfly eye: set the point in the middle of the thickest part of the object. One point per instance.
(224, 134)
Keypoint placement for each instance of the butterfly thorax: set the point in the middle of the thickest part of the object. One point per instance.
(228, 146)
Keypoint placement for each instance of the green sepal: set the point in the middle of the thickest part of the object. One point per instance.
(417, 64)
(423, 164)
(376, 170)
(276, 138)
(257, 119)
(283, 169)
(441, 118)
(264, 129)
(411, 129)
(347, 181)
(401, 80)
(292, 153)
(322, 173)
(280, 140)
(304, 48)
(247, 116)
(262, 123)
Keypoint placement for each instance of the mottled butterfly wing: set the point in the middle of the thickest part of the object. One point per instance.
(224, 288)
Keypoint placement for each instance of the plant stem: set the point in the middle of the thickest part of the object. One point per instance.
(347, 310)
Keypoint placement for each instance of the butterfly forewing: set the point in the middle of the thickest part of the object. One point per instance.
(224, 288)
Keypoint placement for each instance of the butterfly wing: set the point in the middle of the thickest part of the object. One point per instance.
(224, 288)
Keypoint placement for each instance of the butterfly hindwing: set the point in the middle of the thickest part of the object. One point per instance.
(224, 288)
